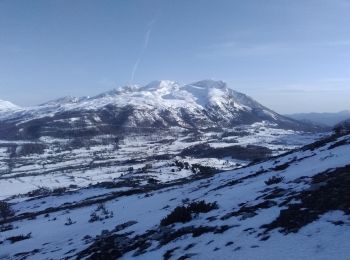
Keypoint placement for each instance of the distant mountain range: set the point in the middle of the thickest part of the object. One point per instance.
(327, 119)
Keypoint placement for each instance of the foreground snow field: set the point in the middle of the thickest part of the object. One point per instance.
(289, 207)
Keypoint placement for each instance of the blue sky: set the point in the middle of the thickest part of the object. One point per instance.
(292, 56)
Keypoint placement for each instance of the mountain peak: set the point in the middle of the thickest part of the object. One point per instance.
(118, 91)
(159, 84)
(210, 83)
(6, 106)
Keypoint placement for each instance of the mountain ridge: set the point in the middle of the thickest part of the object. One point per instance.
(159, 104)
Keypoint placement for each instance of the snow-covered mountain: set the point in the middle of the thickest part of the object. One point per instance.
(8, 107)
(160, 104)
(294, 206)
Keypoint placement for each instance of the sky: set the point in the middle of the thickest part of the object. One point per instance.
(292, 56)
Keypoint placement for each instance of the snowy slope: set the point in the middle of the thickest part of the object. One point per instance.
(6, 106)
(299, 214)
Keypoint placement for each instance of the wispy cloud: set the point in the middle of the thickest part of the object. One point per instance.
(335, 43)
(247, 49)
(321, 86)
(236, 49)
(144, 47)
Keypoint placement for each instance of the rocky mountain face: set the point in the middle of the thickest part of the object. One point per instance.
(158, 105)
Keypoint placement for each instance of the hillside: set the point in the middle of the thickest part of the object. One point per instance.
(291, 206)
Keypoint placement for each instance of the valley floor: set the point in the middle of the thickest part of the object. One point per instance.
(55, 163)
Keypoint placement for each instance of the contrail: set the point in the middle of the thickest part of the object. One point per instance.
(144, 47)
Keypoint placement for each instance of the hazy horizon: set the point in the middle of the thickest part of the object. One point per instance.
(291, 56)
